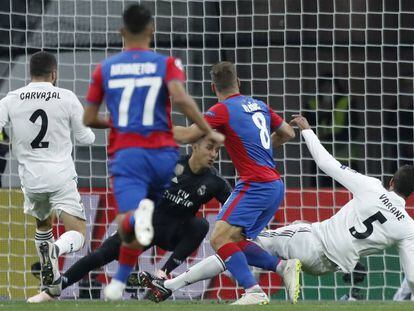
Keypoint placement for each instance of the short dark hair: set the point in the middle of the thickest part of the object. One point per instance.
(404, 180)
(224, 76)
(136, 18)
(42, 64)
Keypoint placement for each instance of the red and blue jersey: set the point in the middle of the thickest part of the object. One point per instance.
(134, 86)
(247, 124)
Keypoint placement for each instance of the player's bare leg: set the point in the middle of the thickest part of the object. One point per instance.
(136, 231)
(224, 240)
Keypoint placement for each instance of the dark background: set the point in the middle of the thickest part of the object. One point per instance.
(287, 53)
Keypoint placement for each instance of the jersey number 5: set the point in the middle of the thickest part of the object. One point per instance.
(128, 85)
(378, 216)
(260, 121)
(37, 143)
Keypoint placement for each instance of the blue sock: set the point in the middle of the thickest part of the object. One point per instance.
(123, 273)
(257, 256)
(236, 263)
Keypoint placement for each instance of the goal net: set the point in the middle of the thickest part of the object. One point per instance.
(345, 64)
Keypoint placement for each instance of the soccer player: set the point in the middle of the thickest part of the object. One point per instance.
(136, 85)
(177, 228)
(372, 221)
(252, 129)
(42, 118)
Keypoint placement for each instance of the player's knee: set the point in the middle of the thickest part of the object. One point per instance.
(198, 228)
(73, 223)
(224, 233)
(217, 241)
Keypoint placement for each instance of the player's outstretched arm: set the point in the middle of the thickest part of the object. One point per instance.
(282, 135)
(350, 179)
(187, 135)
(188, 107)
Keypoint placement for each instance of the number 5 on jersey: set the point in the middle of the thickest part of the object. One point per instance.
(378, 216)
(129, 85)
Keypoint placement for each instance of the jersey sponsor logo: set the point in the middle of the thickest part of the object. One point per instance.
(395, 211)
(133, 69)
(40, 95)
(202, 190)
(181, 198)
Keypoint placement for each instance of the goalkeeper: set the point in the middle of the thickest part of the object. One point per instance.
(177, 228)
(373, 220)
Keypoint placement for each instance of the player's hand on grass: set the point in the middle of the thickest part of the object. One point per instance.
(300, 122)
(216, 137)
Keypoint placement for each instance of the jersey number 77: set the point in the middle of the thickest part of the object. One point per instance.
(128, 86)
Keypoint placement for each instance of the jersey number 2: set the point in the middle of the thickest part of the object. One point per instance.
(260, 121)
(37, 143)
(128, 85)
(378, 216)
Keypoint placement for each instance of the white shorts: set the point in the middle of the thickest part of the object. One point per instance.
(297, 242)
(67, 199)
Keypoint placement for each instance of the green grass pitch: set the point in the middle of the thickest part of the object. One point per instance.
(203, 306)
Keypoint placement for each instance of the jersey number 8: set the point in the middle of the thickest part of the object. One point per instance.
(129, 85)
(260, 121)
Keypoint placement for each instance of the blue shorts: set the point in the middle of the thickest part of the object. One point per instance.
(140, 173)
(252, 205)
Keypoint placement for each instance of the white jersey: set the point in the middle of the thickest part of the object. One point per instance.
(41, 118)
(373, 220)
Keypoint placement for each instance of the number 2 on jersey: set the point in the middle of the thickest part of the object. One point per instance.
(378, 216)
(37, 143)
(128, 85)
(260, 121)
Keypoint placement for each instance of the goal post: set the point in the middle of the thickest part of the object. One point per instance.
(347, 65)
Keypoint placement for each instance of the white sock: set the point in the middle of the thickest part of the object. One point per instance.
(70, 242)
(42, 236)
(204, 270)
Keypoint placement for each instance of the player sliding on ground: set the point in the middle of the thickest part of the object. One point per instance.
(42, 118)
(372, 221)
(176, 226)
(252, 129)
(137, 85)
